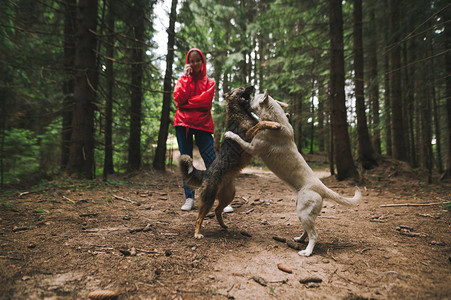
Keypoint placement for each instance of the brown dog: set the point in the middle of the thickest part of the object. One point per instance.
(217, 180)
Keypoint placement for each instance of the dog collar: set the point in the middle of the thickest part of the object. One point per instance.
(254, 115)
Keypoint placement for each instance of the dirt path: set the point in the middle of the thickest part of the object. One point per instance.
(70, 238)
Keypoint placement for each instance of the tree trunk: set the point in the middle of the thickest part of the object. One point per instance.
(397, 122)
(367, 156)
(261, 61)
(312, 114)
(3, 96)
(426, 132)
(373, 82)
(255, 65)
(331, 140)
(134, 146)
(416, 131)
(297, 121)
(410, 84)
(81, 153)
(108, 167)
(70, 16)
(243, 64)
(387, 105)
(425, 117)
(160, 153)
(447, 16)
(447, 173)
(435, 108)
(321, 120)
(343, 156)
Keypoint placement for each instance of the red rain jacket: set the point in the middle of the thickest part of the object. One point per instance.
(194, 97)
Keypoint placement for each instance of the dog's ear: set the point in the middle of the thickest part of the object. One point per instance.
(282, 104)
(265, 97)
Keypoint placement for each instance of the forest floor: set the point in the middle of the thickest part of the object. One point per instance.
(68, 238)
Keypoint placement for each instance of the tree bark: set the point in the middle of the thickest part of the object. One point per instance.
(70, 15)
(108, 166)
(312, 114)
(343, 156)
(435, 108)
(321, 119)
(426, 132)
(134, 145)
(331, 140)
(410, 84)
(297, 121)
(387, 105)
(81, 153)
(160, 153)
(373, 82)
(397, 121)
(366, 154)
(447, 16)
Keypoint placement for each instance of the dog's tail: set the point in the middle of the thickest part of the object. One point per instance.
(343, 200)
(191, 175)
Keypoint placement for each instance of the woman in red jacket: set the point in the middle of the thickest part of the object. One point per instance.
(193, 94)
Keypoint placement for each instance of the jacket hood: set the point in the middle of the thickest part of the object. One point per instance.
(203, 69)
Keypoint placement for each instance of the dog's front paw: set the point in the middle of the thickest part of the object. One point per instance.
(304, 253)
(229, 135)
(198, 236)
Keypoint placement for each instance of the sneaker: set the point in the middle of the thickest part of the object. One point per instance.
(228, 209)
(189, 203)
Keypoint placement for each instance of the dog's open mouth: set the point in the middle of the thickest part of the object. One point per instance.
(246, 95)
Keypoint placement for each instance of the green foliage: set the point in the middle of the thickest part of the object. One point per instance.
(50, 148)
(21, 154)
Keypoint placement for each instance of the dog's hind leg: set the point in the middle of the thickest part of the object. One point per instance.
(225, 196)
(308, 207)
(207, 198)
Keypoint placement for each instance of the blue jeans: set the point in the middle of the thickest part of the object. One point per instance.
(204, 141)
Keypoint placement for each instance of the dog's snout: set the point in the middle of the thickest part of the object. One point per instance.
(246, 94)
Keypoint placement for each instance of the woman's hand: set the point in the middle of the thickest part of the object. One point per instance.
(187, 70)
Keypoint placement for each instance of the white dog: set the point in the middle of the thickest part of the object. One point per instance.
(280, 154)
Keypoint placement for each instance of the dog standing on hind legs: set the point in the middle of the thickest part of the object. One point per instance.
(218, 180)
(279, 152)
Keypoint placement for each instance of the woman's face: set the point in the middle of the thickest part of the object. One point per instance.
(195, 61)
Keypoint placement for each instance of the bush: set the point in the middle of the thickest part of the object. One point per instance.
(20, 154)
